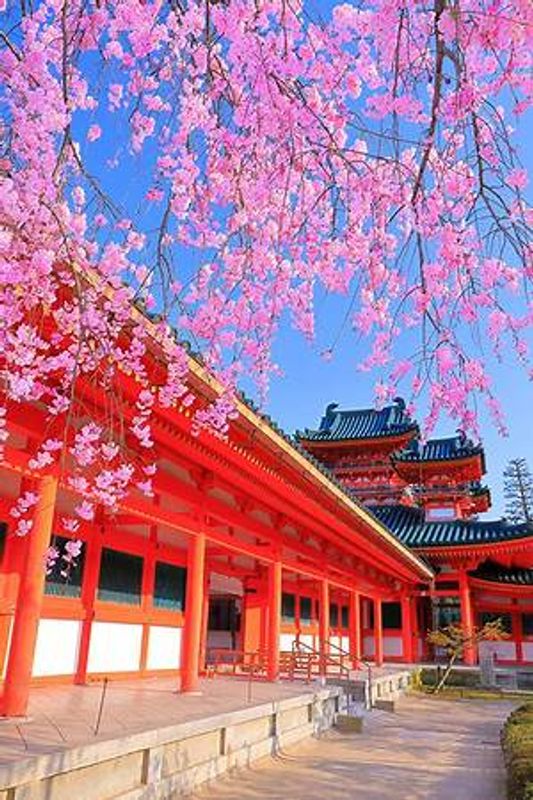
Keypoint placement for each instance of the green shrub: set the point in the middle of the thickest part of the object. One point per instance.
(457, 677)
(517, 744)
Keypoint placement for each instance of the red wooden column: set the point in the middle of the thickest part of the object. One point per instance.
(354, 620)
(194, 605)
(467, 615)
(205, 625)
(29, 603)
(407, 629)
(323, 625)
(88, 596)
(147, 593)
(274, 619)
(378, 632)
(516, 635)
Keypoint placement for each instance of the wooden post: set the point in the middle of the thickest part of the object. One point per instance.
(147, 592)
(91, 576)
(354, 620)
(274, 619)
(29, 603)
(407, 630)
(323, 625)
(194, 604)
(205, 625)
(378, 632)
(517, 635)
(467, 616)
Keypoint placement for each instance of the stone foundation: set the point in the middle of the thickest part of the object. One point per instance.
(170, 762)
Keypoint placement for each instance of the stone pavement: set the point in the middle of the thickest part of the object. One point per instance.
(430, 749)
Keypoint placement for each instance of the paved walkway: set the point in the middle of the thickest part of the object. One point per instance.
(429, 750)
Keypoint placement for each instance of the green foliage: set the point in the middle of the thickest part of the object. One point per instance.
(457, 677)
(455, 639)
(517, 744)
(518, 491)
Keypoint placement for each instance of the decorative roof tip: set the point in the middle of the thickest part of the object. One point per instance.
(442, 449)
(337, 425)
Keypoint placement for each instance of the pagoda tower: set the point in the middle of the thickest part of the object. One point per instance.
(380, 458)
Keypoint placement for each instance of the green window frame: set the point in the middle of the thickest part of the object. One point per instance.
(345, 617)
(391, 616)
(288, 607)
(527, 623)
(333, 615)
(170, 586)
(306, 610)
(58, 585)
(120, 579)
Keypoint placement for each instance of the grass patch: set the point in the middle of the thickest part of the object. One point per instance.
(465, 693)
(517, 745)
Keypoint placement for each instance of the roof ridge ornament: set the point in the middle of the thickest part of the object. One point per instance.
(329, 417)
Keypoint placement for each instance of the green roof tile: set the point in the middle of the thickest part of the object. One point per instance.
(366, 423)
(409, 526)
(451, 447)
(495, 573)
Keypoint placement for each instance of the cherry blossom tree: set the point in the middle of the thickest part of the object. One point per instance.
(218, 165)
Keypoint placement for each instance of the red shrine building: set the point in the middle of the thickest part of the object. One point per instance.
(348, 542)
(247, 547)
(429, 495)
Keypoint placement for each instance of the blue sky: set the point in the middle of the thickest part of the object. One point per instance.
(298, 399)
(309, 383)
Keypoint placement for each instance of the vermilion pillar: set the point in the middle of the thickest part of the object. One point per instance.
(407, 630)
(467, 616)
(323, 625)
(29, 603)
(354, 619)
(378, 633)
(205, 626)
(274, 619)
(91, 575)
(194, 604)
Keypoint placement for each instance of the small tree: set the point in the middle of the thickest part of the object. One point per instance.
(518, 491)
(456, 639)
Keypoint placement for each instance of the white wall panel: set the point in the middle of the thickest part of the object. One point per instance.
(286, 640)
(502, 650)
(56, 651)
(527, 651)
(392, 646)
(368, 645)
(114, 647)
(164, 647)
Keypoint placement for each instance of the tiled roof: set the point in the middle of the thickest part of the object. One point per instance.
(409, 526)
(366, 423)
(495, 573)
(439, 449)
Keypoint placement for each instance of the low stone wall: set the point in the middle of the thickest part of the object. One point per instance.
(169, 762)
(367, 692)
